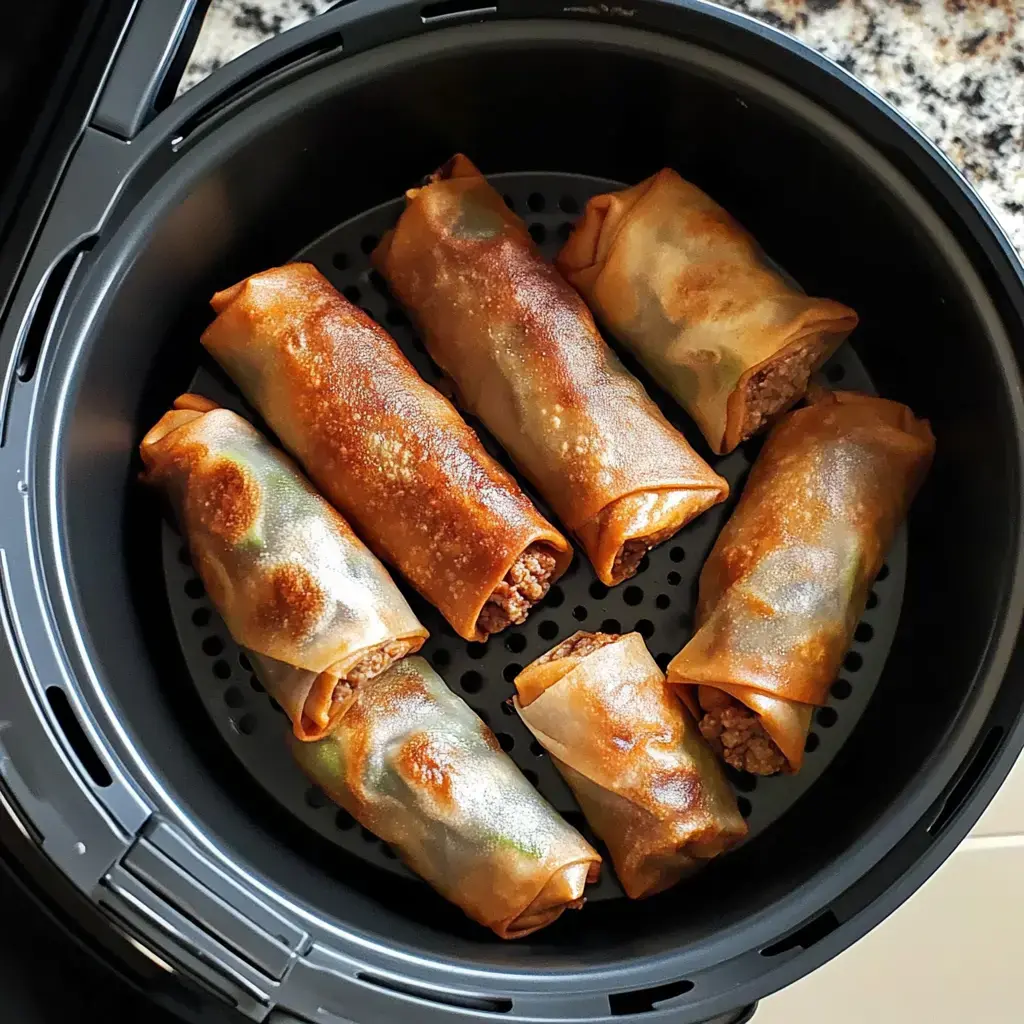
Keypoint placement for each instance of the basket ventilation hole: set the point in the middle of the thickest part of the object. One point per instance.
(555, 597)
(343, 820)
(568, 204)
(835, 373)
(352, 293)
(76, 737)
(663, 659)
(221, 669)
(674, 579)
(368, 243)
(633, 595)
(512, 669)
(598, 591)
(644, 1000)
(476, 650)
(547, 630)
(442, 658)
(643, 565)
(244, 662)
(485, 1004)
(256, 684)
(212, 646)
(803, 938)
(564, 231)
(744, 806)
(194, 588)
(515, 642)
(872, 600)
(506, 708)
(233, 697)
(184, 557)
(883, 573)
(535, 202)
(247, 725)
(611, 626)
(201, 617)
(472, 682)
(388, 852)
(841, 689)
(538, 233)
(852, 662)
(340, 261)
(509, 201)
(507, 742)
(367, 835)
(827, 717)
(536, 749)
(662, 601)
(863, 633)
(482, 714)
(579, 613)
(811, 743)
(677, 554)
(645, 628)
(315, 797)
(743, 781)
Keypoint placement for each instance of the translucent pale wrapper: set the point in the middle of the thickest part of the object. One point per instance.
(412, 763)
(789, 576)
(647, 782)
(384, 447)
(286, 573)
(691, 294)
(526, 358)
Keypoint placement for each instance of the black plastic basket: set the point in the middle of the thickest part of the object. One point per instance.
(140, 760)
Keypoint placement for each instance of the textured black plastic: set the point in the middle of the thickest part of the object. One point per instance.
(658, 602)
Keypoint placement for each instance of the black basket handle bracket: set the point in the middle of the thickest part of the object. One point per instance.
(149, 63)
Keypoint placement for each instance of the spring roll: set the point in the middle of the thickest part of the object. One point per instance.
(386, 449)
(291, 580)
(525, 357)
(691, 294)
(413, 764)
(789, 576)
(644, 778)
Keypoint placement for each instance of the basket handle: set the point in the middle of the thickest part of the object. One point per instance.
(148, 64)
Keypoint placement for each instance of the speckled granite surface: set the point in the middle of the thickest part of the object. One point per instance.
(955, 67)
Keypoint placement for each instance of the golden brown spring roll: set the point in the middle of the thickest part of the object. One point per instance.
(291, 580)
(645, 779)
(788, 578)
(386, 449)
(689, 292)
(527, 360)
(413, 764)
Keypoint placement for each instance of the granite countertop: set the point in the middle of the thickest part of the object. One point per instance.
(954, 67)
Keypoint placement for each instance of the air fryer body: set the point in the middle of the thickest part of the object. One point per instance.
(118, 778)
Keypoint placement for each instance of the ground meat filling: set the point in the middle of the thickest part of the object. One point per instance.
(524, 585)
(629, 557)
(579, 646)
(370, 666)
(737, 736)
(775, 387)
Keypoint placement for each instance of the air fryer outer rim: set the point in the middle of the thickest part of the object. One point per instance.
(110, 818)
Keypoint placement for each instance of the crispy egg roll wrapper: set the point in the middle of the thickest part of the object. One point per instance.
(412, 763)
(284, 570)
(788, 578)
(691, 294)
(386, 449)
(527, 360)
(649, 785)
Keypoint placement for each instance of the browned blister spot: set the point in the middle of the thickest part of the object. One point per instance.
(293, 603)
(226, 499)
(422, 761)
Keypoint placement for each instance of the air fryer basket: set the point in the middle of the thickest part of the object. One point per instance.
(145, 808)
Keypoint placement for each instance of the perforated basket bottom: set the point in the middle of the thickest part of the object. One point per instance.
(658, 602)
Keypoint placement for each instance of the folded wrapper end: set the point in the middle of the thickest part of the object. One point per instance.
(413, 764)
(644, 778)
